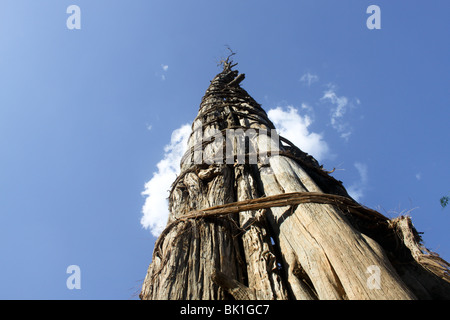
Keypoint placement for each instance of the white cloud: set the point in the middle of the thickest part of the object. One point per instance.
(164, 67)
(295, 127)
(418, 176)
(357, 189)
(339, 109)
(309, 78)
(155, 210)
(307, 108)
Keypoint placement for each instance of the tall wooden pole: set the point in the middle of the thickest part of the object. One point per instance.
(327, 248)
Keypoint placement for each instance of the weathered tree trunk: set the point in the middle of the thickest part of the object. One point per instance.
(328, 247)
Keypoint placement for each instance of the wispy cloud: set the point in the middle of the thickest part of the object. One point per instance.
(308, 109)
(164, 67)
(358, 189)
(295, 127)
(340, 106)
(309, 78)
(155, 210)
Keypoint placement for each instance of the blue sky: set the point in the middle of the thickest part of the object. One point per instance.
(85, 116)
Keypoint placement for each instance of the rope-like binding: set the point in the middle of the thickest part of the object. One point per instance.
(280, 200)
